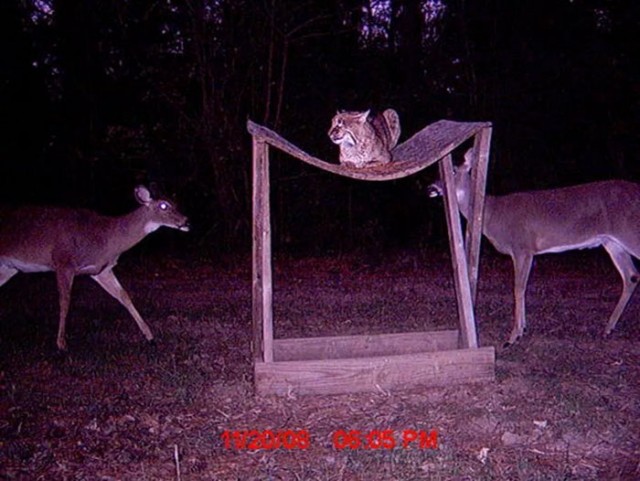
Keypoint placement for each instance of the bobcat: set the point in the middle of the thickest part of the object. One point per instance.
(364, 140)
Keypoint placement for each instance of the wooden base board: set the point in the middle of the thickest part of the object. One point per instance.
(347, 364)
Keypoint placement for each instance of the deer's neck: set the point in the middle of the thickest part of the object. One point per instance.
(129, 229)
(463, 194)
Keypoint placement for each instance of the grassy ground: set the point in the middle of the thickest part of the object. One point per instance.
(565, 404)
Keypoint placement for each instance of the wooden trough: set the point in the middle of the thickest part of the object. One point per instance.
(345, 364)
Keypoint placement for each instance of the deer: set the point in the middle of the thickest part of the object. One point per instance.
(73, 242)
(526, 224)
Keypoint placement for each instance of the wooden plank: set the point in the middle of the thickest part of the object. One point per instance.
(469, 337)
(423, 149)
(336, 376)
(436, 141)
(262, 298)
(337, 347)
(481, 146)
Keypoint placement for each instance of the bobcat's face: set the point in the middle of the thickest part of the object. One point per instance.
(365, 140)
(347, 127)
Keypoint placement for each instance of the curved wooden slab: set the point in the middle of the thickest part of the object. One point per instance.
(418, 152)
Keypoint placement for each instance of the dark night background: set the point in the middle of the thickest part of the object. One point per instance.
(98, 96)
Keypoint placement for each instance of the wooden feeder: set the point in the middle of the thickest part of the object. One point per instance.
(345, 364)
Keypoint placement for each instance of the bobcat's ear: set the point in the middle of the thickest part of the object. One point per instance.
(362, 118)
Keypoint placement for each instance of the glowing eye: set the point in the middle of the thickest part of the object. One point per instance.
(164, 206)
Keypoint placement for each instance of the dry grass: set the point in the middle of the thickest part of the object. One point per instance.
(566, 403)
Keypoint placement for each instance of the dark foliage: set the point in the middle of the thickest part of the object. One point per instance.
(99, 95)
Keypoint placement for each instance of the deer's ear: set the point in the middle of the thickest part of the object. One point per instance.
(143, 196)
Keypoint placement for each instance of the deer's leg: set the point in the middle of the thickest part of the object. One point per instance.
(109, 283)
(521, 269)
(6, 273)
(630, 277)
(65, 282)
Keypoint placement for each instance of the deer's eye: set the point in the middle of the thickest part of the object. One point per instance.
(164, 205)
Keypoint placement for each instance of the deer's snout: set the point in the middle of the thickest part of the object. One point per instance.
(435, 189)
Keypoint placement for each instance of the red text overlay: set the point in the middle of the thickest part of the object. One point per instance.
(342, 439)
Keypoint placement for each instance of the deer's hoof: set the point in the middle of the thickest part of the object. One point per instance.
(151, 346)
(512, 340)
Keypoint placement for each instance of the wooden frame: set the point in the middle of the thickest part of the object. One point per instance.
(342, 364)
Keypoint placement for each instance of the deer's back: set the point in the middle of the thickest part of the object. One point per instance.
(40, 238)
(578, 216)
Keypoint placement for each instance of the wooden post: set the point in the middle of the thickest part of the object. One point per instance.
(481, 145)
(469, 337)
(262, 308)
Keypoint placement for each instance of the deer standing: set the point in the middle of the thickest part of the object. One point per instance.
(526, 224)
(73, 242)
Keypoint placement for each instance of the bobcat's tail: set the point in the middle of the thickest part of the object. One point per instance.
(393, 126)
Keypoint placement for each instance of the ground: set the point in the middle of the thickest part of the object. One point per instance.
(565, 403)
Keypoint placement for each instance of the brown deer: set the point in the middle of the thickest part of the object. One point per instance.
(73, 242)
(526, 224)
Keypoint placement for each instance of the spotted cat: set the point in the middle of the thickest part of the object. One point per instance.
(365, 139)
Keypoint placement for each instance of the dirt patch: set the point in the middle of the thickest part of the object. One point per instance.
(565, 405)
